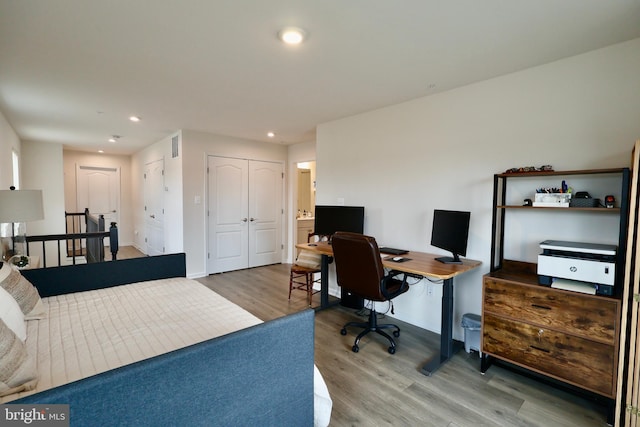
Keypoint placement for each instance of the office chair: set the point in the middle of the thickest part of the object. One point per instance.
(303, 270)
(359, 270)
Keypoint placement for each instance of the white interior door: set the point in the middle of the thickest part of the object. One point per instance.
(154, 207)
(265, 213)
(98, 188)
(245, 211)
(228, 214)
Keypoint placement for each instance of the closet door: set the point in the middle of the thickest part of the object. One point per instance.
(245, 212)
(265, 213)
(228, 214)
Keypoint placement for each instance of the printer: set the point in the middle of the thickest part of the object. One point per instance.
(582, 267)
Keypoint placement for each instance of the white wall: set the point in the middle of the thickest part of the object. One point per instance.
(196, 147)
(173, 214)
(185, 181)
(8, 141)
(441, 151)
(41, 166)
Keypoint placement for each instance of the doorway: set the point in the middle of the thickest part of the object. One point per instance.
(305, 200)
(98, 189)
(154, 207)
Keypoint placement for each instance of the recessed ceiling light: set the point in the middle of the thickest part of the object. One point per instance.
(271, 134)
(101, 151)
(292, 35)
(114, 138)
(134, 118)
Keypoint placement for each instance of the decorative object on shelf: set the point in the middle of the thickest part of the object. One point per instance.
(609, 201)
(553, 199)
(543, 168)
(20, 206)
(20, 261)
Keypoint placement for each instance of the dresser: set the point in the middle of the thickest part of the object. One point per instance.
(569, 336)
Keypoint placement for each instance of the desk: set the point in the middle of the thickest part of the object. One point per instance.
(422, 264)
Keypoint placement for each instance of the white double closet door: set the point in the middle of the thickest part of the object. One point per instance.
(244, 204)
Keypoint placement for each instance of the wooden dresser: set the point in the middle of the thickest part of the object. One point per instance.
(565, 335)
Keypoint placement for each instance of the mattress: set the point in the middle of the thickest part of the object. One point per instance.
(86, 333)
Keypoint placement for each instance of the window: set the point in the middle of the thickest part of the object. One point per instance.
(16, 169)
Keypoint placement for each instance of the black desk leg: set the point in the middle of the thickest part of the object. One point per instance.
(324, 281)
(448, 347)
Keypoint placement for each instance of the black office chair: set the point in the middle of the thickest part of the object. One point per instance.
(359, 269)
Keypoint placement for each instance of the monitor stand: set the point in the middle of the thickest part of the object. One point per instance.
(455, 259)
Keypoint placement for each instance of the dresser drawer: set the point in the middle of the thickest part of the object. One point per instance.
(587, 316)
(579, 361)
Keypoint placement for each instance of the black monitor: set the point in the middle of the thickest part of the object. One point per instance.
(329, 219)
(450, 232)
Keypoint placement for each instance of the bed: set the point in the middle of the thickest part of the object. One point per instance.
(134, 342)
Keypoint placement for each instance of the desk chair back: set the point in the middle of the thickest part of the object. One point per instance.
(359, 268)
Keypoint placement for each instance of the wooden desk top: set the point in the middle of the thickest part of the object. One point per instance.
(421, 263)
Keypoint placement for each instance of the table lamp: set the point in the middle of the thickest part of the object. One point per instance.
(20, 206)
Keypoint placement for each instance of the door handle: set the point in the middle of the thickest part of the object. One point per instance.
(253, 219)
(152, 216)
(244, 219)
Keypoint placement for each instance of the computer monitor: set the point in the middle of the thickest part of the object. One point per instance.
(329, 219)
(450, 232)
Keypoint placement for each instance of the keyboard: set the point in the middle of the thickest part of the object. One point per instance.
(393, 251)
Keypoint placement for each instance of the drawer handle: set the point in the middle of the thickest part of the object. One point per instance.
(543, 307)
(540, 349)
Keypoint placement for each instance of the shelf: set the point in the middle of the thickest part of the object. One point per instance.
(560, 173)
(608, 210)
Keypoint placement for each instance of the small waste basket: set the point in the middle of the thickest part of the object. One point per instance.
(471, 325)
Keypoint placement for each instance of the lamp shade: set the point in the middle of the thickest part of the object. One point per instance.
(21, 205)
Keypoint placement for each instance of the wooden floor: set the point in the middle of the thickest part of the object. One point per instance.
(374, 388)
(125, 252)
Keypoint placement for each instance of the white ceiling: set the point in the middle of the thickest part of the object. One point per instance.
(73, 71)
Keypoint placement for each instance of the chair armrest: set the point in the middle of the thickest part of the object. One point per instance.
(392, 275)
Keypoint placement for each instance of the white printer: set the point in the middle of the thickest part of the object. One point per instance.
(582, 267)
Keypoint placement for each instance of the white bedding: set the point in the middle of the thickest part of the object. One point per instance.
(85, 333)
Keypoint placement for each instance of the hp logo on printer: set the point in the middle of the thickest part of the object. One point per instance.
(573, 269)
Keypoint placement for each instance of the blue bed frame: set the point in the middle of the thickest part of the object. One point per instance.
(261, 375)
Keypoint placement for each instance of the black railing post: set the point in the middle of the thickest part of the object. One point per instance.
(113, 241)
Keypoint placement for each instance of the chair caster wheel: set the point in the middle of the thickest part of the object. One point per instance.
(392, 350)
(343, 331)
(396, 333)
(355, 349)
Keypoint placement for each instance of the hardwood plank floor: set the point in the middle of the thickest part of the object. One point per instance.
(375, 388)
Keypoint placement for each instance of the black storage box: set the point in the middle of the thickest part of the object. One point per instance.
(349, 300)
(584, 203)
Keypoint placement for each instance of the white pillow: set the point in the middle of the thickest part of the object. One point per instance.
(22, 291)
(17, 367)
(309, 259)
(12, 315)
